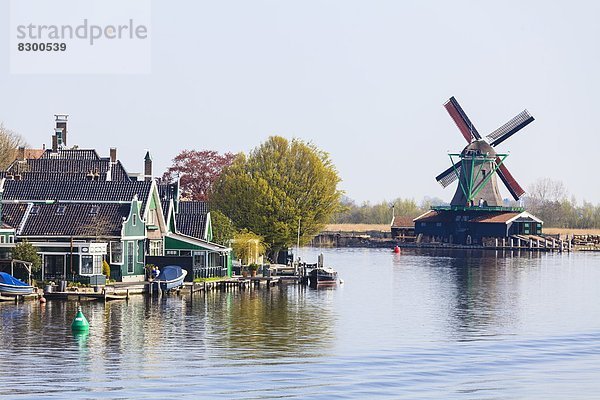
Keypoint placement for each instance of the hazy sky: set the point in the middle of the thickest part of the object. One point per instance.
(363, 80)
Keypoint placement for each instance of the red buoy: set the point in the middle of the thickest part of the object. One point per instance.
(396, 249)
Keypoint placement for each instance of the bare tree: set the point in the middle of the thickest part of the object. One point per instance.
(9, 142)
(547, 189)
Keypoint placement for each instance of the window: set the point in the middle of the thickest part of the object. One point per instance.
(423, 223)
(130, 257)
(151, 218)
(94, 210)
(199, 259)
(91, 265)
(87, 265)
(438, 224)
(11, 239)
(156, 247)
(172, 252)
(134, 219)
(60, 210)
(35, 210)
(185, 253)
(116, 253)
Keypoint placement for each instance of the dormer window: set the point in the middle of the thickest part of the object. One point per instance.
(60, 210)
(35, 210)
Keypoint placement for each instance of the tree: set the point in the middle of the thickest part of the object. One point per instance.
(197, 171)
(9, 142)
(25, 251)
(280, 185)
(248, 246)
(223, 228)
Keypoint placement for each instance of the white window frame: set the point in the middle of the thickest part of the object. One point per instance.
(131, 257)
(112, 260)
(96, 260)
(156, 247)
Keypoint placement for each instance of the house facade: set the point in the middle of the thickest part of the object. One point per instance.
(80, 209)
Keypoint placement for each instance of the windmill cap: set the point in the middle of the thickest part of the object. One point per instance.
(480, 147)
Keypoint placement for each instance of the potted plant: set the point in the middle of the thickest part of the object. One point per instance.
(253, 269)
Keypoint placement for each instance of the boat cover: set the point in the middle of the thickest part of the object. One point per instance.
(169, 273)
(8, 279)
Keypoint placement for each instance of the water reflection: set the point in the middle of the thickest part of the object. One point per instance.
(484, 290)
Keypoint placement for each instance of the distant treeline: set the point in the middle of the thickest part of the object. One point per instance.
(547, 199)
(381, 213)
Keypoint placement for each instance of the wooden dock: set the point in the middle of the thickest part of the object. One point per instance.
(84, 296)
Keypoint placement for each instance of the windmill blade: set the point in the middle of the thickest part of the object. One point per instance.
(461, 120)
(510, 128)
(449, 175)
(511, 184)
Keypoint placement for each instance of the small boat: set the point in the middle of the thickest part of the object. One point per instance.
(323, 276)
(11, 285)
(171, 277)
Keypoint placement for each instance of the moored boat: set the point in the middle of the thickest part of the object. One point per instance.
(171, 277)
(323, 276)
(13, 286)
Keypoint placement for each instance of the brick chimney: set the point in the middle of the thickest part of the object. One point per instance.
(61, 124)
(21, 153)
(148, 167)
(113, 154)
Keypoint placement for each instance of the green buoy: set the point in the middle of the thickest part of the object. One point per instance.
(80, 323)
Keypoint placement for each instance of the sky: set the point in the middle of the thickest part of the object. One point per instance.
(362, 80)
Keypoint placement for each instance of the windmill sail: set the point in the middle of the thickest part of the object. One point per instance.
(511, 184)
(510, 128)
(461, 120)
(449, 175)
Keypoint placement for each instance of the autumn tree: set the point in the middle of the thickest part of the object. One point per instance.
(197, 171)
(279, 186)
(9, 142)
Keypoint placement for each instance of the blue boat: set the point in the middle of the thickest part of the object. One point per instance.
(171, 277)
(11, 285)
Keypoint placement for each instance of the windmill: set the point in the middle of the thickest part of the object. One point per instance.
(477, 166)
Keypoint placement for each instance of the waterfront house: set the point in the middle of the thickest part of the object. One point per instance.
(79, 209)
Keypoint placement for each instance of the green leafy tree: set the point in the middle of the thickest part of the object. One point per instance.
(25, 251)
(223, 228)
(248, 246)
(280, 185)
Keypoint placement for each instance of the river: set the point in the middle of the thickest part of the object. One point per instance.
(419, 325)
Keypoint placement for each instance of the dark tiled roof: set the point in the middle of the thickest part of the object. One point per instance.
(165, 208)
(12, 214)
(191, 218)
(76, 220)
(68, 169)
(101, 191)
(191, 224)
(72, 154)
(193, 207)
(167, 191)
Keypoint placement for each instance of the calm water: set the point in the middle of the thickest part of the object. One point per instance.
(417, 325)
